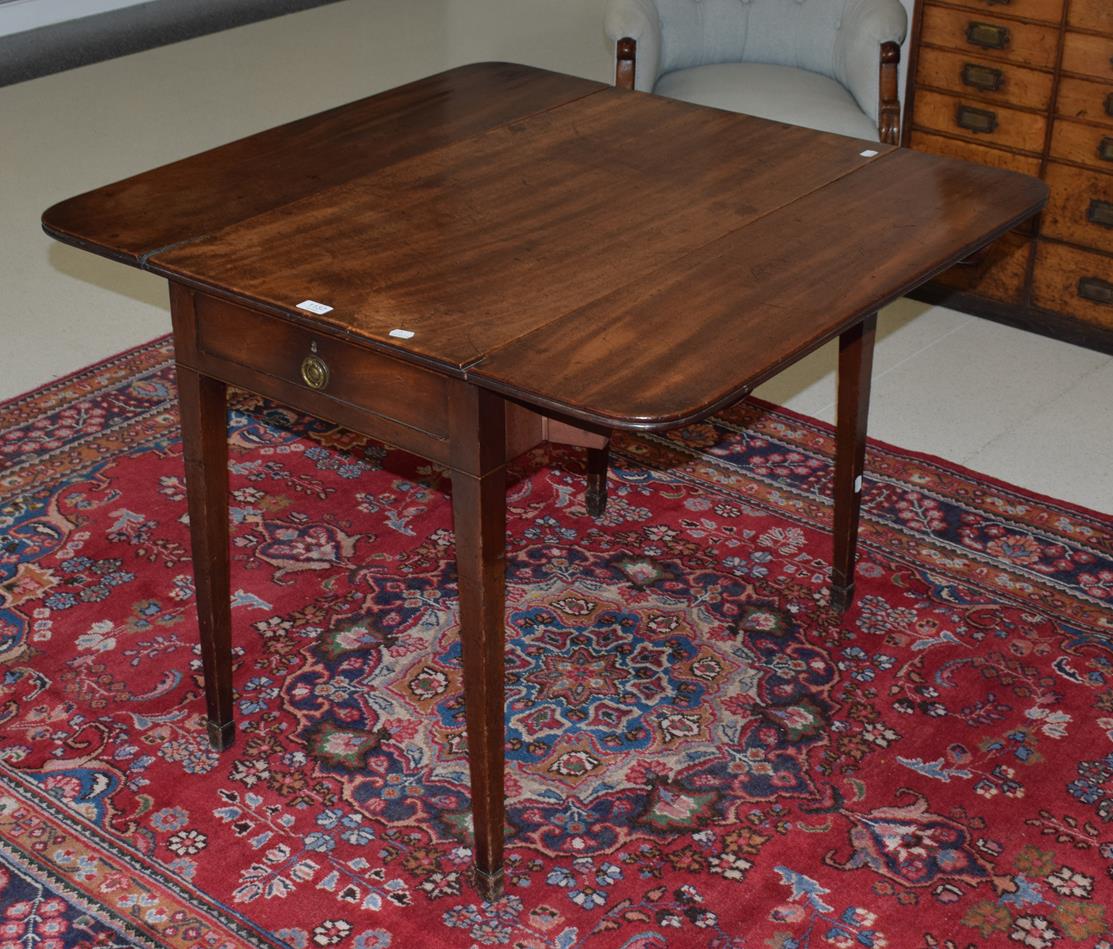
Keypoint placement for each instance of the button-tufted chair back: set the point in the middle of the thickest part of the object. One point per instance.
(798, 33)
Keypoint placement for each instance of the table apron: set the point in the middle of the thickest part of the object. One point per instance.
(358, 418)
(339, 380)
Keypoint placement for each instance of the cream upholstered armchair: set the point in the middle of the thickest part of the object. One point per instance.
(826, 64)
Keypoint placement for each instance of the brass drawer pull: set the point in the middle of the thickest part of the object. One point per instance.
(1105, 149)
(982, 77)
(987, 35)
(976, 120)
(314, 372)
(1100, 212)
(1109, 104)
(1095, 289)
(1004, 3)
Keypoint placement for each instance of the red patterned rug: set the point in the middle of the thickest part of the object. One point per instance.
(701, 753)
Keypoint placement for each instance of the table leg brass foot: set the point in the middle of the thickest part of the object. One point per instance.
(221, 736)
(489, 885)
(842, 597)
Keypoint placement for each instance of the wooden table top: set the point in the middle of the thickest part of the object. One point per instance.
(615, 257)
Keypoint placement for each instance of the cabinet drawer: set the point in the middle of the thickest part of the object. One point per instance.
(969, 151)
(980, 122)
(1089, 56)
(998, 273)
(1091, 15)
(1079, 99)
(352, 374)
(991, 37)
(1076, 282)
(988, 80)
(1080, 209)
(1051, 11)
(1086, 144)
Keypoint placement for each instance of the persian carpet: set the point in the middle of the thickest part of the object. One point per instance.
(701, 753)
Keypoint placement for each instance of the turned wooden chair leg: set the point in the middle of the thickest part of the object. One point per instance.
(595, 496)
(202, 403)
(855, 368)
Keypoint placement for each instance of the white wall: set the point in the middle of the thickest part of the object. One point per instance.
(19, 15)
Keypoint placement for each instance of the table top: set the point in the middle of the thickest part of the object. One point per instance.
(614, 257)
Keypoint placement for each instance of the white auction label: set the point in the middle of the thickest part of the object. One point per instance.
(314, 307)
(402, 334)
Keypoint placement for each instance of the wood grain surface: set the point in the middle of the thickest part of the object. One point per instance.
(717, 323)
(198, 195)
(470, 246)
(608, 256)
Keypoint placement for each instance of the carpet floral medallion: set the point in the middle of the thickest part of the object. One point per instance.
(701, 753)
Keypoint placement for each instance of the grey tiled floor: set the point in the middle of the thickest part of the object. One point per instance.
(1023, 408)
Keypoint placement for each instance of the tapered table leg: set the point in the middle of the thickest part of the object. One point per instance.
(202, 402)
(855, 369)
(479, 515)
(595, 498)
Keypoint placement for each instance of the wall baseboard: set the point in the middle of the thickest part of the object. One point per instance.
(128, 29)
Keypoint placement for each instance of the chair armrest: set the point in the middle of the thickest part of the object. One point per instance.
(637, 20)
(866, 25)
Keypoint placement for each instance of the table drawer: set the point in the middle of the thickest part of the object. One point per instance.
(1086, 144)
(370, 381)
(1091, 15)
(1076, 282)
(1088, 56)
(1079, 99)
(998, 273)
(988, 80)
(980, 122)
(1029, 44)
(1080, 208)
(1050, 11)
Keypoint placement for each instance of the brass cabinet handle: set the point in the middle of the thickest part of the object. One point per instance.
(1096, 289)
(1109, 104)
(976, 120)
(1105, 149)
(314, 372)
(982, 77)
(987, 35)
(1100, 212)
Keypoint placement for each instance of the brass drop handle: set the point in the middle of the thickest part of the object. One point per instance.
(982, 77)
(1105, 149)
(1100, 212)
(987, 35)
(1109, 104)
(976, 120)
(1095, 289)
(314, 372)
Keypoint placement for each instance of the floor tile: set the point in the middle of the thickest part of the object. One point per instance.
(973, 385)
(1065, 448)
(903, 329)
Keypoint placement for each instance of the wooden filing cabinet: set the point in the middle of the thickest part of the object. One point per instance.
(1026, 85)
